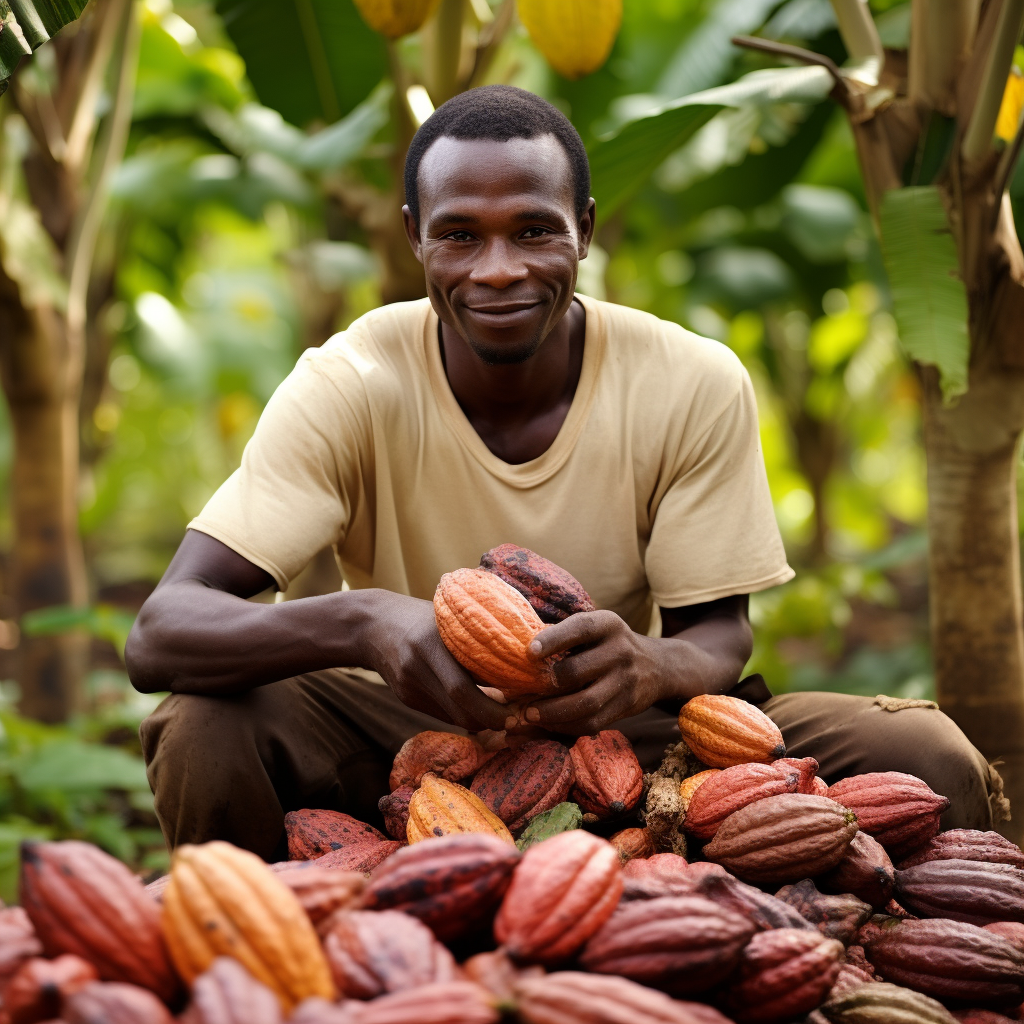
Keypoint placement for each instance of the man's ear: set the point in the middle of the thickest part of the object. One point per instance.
(412, 232)
(586, 229)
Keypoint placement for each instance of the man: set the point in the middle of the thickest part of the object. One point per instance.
(503, 408)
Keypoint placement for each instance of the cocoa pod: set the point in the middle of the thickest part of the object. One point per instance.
(691, 784)
(312, 833)
(608, 778)
(453, 885)
(682, 944)
(39, 987)
(553, 592)
(316, 1010)
(633, 844)
(361, 857)
(228, 994)
(18, 941)
(563, 890)
(865, 871)
(784, 838)
(114, 1003)
(836, 917)
(395, 809)
(807, 772)
(499, 975)
(980, 1017)
(663, 874)
(443, 808)
(856, 957)
(967, 844)
(963, 890)
(883, 1003)
(899, 810)
(850, 976)
(723, 731)
(324, 891)
(947, 960)
(445, 754)
(818, 786)
(766, 912)
(782, 974)
(734, 788)
(372, 953)
(451, 1002)
(521, 782)
(1012, 931)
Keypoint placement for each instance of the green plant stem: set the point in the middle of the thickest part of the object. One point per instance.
(856, 26)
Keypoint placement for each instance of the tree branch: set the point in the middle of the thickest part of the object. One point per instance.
(941, 36)
(797, 53)
(856, 26)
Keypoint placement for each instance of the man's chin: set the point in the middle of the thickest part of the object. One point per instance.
(508, 353)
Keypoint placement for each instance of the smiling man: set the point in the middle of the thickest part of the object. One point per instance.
(502, 408)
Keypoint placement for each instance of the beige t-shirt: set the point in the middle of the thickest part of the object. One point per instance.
(653, 492)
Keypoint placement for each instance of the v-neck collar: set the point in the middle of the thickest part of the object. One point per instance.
(536, 471)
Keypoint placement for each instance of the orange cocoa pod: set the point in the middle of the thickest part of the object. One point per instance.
(114, 1003)
(522, 782)
(633, 844)
(324, 891)
(39, 987)
(446, 754)
(609, 779)
(690, 785)
(865, 870)
(488, 625)
(442, 808)
(312, 833)
(18, 941)
(553, 593)
(733, 788)
(562, 891)
(228, 994)
(724, 731)
(83, 901)
(223, 901)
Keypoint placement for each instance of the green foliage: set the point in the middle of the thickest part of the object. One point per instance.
(103, 621)
(27, 24)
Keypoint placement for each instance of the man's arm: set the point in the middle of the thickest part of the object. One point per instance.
(197, 634)
(620, 673)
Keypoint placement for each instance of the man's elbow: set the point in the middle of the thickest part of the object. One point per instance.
(141, 657)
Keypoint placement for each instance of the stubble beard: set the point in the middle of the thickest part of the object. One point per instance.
(505, 355)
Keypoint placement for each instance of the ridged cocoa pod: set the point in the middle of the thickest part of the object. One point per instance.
(453, 885)
(497, 973)
(691, 784)
(733, 788)
(899, 810)
(963, 890)
(818, 786)
(681, 944)
(395, 808)
(663, 874)
(883, 1003)
(312, 833)
(83, 901)
(783, 839)
(18, 941)
(865, 871)
(782, 974)
(228, 994)
(563, 890)
(363, 857)
(450, 1002)
(521, 782)
(1012, 931)
(967, 844)
(766, 912)
(441, 808)
(554, 593)
(445, 754)
(319, 1011)
(980, 1017)
(324, 891)
(807, 771)
(114, 1003)
(836, 917)
(562, 817)
(39, 987)
(572, 997)
(633, 844)
(948, 960)
(609, 779)
(723, 731)
(372, 953)
(856, 957)
(850, 976)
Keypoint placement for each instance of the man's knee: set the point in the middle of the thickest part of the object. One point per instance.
(189, 725)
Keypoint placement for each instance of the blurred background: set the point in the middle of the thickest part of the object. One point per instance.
(254, 213)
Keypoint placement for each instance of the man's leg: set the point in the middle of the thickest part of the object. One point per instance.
(231, 767)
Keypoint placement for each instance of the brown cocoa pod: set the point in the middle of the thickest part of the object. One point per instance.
(39, 987)
(608, 777)
(395, 809)
(372, 953)
(681, 944)
(114, 1002)
(324, 891)
(18, 941)
(967, 844)
(1012, 931)
(453, 884)
(883, 1003)
(856, 957)
(553, 592)
(963, 890)
(899, 810)
(783, 974)
(836, 917)
(733, 788)
(312, 833)
(521, 782)
(633, 844)
(947, 960)
(850, 976)
(865, 871)
(446, 754)
(497, 973)
(228, 994)
(783, 838)
(766, 912)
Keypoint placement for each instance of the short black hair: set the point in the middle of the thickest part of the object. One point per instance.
(498, 112)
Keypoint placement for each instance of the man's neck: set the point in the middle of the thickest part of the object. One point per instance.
(518, 410)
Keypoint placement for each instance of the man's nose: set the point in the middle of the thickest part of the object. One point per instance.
(499, 264)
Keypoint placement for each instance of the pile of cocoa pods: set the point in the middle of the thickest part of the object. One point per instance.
(549, 884)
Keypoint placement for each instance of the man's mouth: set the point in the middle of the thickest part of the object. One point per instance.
(502, 308)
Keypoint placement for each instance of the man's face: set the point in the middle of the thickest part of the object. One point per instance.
(499, 241)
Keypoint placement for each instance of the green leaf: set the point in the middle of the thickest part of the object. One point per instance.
(102, 620)
(27, 24)
(72, 766)
(929, 299)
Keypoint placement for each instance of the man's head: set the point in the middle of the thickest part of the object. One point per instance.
(499, 213)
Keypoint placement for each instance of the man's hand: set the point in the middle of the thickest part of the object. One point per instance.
(405, 648)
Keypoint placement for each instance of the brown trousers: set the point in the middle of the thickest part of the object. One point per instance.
(230, 767)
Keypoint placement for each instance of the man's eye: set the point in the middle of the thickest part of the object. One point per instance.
(535, 232)
(459, 236)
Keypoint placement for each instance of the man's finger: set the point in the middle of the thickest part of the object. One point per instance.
(573, 706)
(576, 671)
(575, 631)
(464, 697)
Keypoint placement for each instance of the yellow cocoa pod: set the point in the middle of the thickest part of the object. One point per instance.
(395, 18)
(443, 808)
(575, 36)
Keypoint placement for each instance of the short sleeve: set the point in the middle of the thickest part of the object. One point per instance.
(300, 477)
(714, 532)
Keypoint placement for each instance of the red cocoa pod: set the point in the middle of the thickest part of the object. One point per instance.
(372, 953)
(452, 884)
(856, 957)
(324, 891)
(83, 901)
(572, 997)
(228, 994)
(312, 833)
(609, 779)
(449, 1002)
(818, 786)
(497, 973)
(38, 988)
(563, 890)
(899, 810)
(783, 974)
(395, 808)
(363, 857)
(850, 976)
(633, 844)
(963, 890)
(681, 944)
(18, 941)
(893, 909)
(1012, 931)
(733, 788)
(783, 839)
(865, 871)
(806, 769)
(519, 783)
(114, 1003)
(663, 874)
(836, 917)
(713, 882)
(446, 754)
(967, 844)
(948, 960)
(554, 593)
(980, 1017)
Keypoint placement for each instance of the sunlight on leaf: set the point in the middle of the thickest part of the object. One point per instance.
(74, 766)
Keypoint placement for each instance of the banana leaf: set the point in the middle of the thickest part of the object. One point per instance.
(26, 24)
